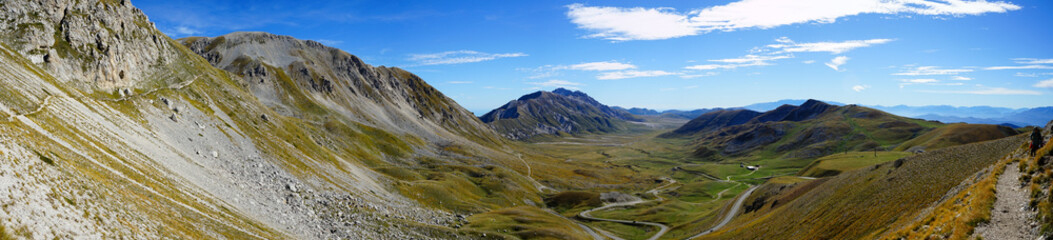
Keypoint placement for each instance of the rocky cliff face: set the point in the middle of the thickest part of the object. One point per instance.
(271, 66)
(109, 129)
(92, 45)
(552, 113)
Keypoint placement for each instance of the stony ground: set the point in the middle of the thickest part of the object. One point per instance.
(1010, 218)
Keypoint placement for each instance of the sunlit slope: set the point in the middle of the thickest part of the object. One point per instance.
(811, 130)
(864, 203)
(841, 162)
(956, 134)
(182, 149)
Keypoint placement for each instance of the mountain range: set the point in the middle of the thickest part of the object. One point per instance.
(812, 129)
(1011, 117)
(558, 112)
(111, 129)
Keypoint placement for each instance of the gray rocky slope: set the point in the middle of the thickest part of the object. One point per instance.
(109, 129)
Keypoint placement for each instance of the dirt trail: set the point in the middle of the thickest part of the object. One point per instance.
(1010, 218)
(730, 214)
(662, 228)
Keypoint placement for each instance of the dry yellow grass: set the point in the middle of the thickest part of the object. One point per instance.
(872, 201)
(957, 217)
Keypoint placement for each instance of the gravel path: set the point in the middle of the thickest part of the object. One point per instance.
(1010, 218)
(662, 228)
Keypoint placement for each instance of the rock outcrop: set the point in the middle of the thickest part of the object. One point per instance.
(92, 45)
(277, 67)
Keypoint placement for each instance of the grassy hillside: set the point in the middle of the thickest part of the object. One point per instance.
(867, 202)
(835, 130)
(956, 134)
(837, 163)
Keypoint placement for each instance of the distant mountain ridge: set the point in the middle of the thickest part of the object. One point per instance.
(560, 111)
(688, 114)
(811, 129)
(945, 113)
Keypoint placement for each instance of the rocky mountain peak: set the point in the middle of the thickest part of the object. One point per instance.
(298, 77)
(94, 45)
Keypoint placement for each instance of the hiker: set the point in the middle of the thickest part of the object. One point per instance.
(1036, 140)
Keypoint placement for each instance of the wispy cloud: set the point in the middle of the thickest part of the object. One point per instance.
(837, 62)
(1019, 67)
(732, 63)
(960, 78)
(638, 23)
(601, 66)
(554, 70)
(1033, 61)
(932, 70)
(787, 45)
(632, 74)
(621, 24)
(329, 42)
(860, 88)
(704, 74)
(921, 80)
(1020, 74)
(557, 83)
(458, 57)
(1044, 84)
(926, 81)
(986, 91)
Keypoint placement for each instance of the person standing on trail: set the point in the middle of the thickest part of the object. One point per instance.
(1036, 140)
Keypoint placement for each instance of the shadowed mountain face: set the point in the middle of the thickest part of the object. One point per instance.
(810, 130)
(553, 113)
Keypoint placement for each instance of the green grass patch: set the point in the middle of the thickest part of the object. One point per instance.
(837, 163)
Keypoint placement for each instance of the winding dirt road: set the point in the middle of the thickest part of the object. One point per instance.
(662, 228)
(730, 214)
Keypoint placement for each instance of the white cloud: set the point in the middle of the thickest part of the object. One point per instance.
(932, 70)
(960, 78)
(622, 24)
(1045, 84)
(557, 83)
(457, 57)
(705, 74)
(459, 82)
(602, 66)
(1020, 74)
(1033, 61)
(182, 31)
(1019, 67)
(989, 91)
(787, 45)
(809, 62)
(329, 42)
(732, 63)
(922, 80)
(837, 62)
(860, 88)
(554, 70)
(632, 74)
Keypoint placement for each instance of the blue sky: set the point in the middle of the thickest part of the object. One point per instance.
(674, 54)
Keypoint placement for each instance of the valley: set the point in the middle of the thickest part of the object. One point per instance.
(114, 129)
